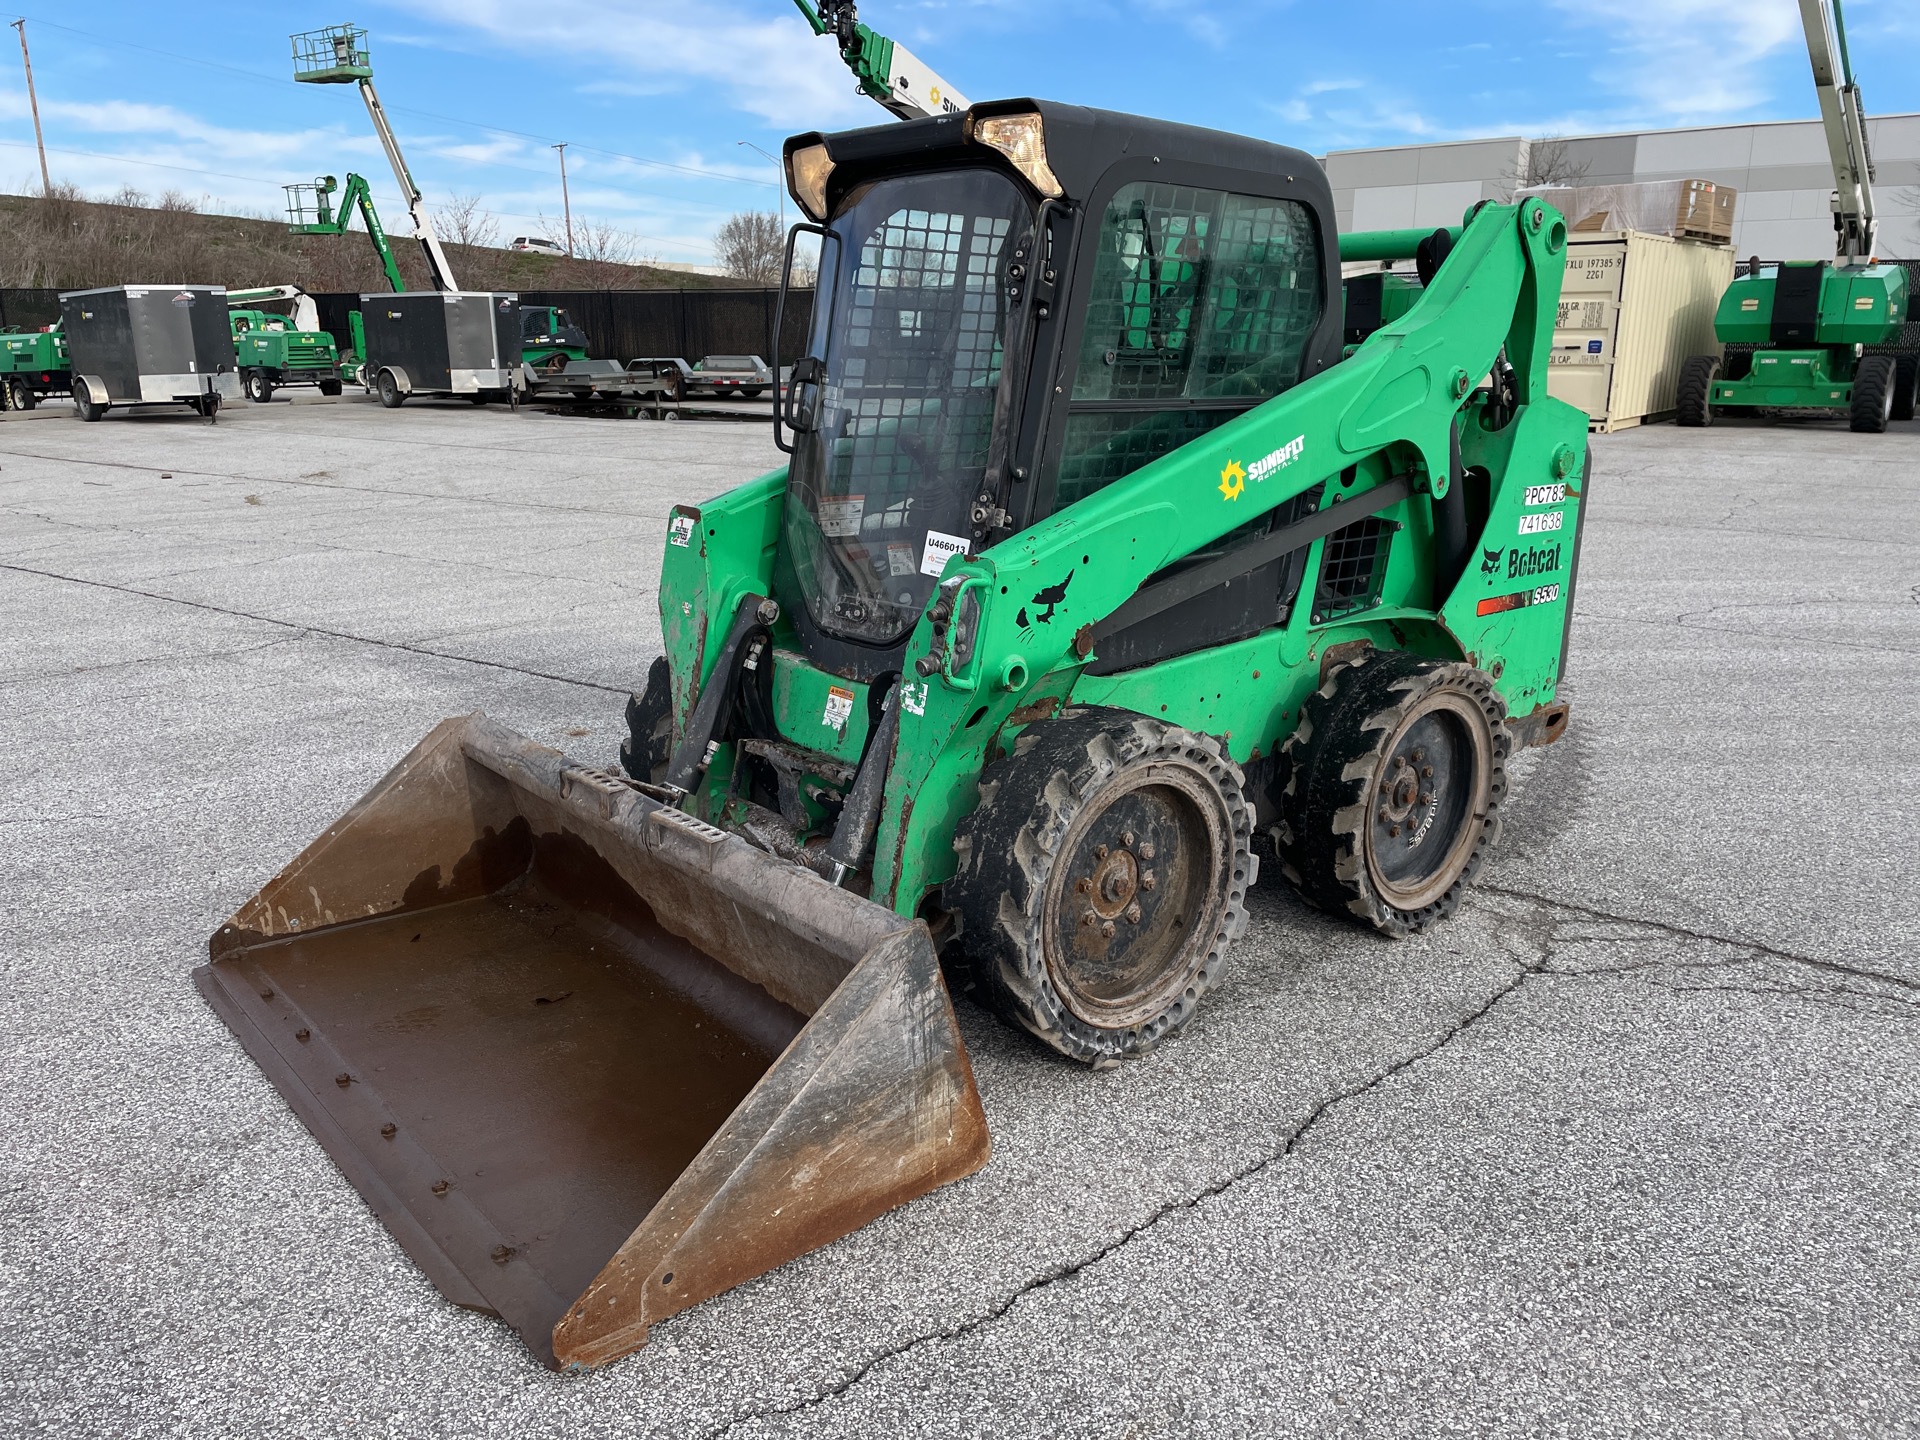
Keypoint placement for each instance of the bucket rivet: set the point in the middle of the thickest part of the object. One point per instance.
(389, 1130)
(440, 1187)
(343, 1079)
(302, 1034)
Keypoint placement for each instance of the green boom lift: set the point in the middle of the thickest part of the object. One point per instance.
(312, 210)
(884, 69)
(1812, 320)
(1101, 564)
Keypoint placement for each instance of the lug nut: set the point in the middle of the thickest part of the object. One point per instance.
(1393, 830)
(1087, 917)
(1426, 772)
(1146, 851)
(1126, 838)
(1147, 880)
(1133, 913)
(1399, 762)
(1106, 929)
(1084, 884)
(1099, 852)
(1418, 756)
(1427, 799)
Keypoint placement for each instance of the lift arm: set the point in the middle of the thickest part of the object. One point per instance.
(328, 219)
(885, 69)
(1844, 120)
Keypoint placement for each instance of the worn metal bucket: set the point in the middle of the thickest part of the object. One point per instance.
(590, 1060)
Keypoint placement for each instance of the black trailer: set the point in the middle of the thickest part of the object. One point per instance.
(149, 345)
(463, 343)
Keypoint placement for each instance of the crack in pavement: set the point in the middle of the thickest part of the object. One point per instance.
(42, 676)
(1068, 1269)
(306, 629)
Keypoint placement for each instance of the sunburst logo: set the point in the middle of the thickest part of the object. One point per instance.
(1233, 480)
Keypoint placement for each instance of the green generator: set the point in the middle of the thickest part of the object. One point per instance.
(33, 365)
(274, 353)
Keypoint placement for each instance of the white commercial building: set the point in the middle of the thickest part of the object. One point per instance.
(1780, 169)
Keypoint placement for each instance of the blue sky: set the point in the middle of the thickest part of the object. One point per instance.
(654, 97)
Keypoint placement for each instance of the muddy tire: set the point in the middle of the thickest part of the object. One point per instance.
(1102, 879)
(1873, 384)
(1693, 403)
(649, 743)
(1390, 790)
(391, 394)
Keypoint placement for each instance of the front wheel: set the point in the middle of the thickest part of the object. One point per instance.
(389, 388)
(1873, 385)
(84, 404)
(1391, 789)
(20, 395)
(259, 388)
(1101, 880)
(1693, 404)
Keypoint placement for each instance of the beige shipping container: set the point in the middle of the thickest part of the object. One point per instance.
(1633, 307)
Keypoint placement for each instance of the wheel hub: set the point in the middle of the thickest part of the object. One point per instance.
(1428, 794)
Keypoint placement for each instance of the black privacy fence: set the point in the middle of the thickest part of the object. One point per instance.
(620, 324)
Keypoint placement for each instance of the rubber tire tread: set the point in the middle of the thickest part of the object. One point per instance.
(1693, 402)
(1006, 853)
(1329, 763)
(649, 744)
(1872, 395)
(1906, 386)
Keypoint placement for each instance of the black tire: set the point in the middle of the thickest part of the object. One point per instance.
(752, 392)
(83, 402)
(259, 388)
(1873, 385)
(649, 744)
(1693, 404)
(20, 394)
(1906, 384)
(1352, 789)
(673, 385)
(330, 388)
(1103, 825)
(389, 388)
(479, 397)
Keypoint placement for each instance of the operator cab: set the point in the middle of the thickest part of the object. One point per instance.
(1017, 306)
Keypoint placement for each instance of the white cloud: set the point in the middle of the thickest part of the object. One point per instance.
(1679, 62)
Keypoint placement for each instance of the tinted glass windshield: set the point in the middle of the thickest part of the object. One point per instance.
(910, 321)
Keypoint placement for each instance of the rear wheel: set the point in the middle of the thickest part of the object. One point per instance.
(1693, 404)
(1390, 800)
(84, 404)
(1873, 384)
(479, 397)
(752, 392)
(1102, 879)
(20, 394)
(1906, 382)
(259, 388)
(389, 388)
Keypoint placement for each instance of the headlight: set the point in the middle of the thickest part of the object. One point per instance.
(807, 172)
(1020, 139)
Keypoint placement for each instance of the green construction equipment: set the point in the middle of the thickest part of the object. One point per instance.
(338, 55)
(312, 210)
(277, 350)
(1102, 563)
(883, 69)
(1812, 321)
(33, 365)
(549, 340)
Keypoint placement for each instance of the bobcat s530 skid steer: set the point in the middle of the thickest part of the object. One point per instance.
(1106, 562)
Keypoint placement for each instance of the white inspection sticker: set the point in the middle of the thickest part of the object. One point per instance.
(841, 517)
(839, 708)
(680, 531)
(1542, 523)
(940, 548)
(900, 557)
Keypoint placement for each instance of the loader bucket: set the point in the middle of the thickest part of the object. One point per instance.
(590, 1060)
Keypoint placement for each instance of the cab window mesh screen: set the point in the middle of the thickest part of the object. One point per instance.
(1352, 564)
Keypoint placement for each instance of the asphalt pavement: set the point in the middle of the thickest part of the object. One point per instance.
(1627, 1148)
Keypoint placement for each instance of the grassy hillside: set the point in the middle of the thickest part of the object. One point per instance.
(69, 243)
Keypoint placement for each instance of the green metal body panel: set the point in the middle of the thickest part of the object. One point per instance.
(36, 353)
(1858, 305)
(287, 353)
(332, 219)
(539, 351)
(335, 55)
(1389, 409)
(1862, 305)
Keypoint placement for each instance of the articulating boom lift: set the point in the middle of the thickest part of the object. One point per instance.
(885, 69)
(1813, 319)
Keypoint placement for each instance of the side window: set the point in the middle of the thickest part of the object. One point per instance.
(1201, 306)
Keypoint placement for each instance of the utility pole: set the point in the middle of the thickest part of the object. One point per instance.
(565, 203)
(780, 181)
(46, 181)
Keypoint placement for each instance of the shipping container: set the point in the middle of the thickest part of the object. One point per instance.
(1633, 307)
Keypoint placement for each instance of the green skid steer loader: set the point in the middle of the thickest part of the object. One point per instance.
(1108, 556)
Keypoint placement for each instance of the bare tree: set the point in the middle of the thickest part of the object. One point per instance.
(1549, 161)
(750, 246)
(464, 221)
